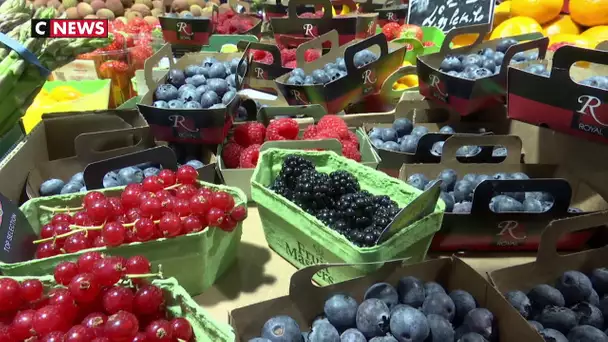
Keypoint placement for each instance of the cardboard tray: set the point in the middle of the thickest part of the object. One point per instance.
(559, 102)
(468, 96)
(357, 84)
(199, 126)
(388, 11)
(305, 300)
(261, 71)
(484, 230)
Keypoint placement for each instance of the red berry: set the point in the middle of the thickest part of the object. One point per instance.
(182, 329)
(151, 207)
(87, 260)
(10, 295)
(163, 195)
(31, 290)
(148, 300)
(249, 157)
(228, 224)
(144, 195)
(239, 213)
(62, 218)
(117, 298)
(60, 229)
(167, 176)
(47, 231)
(215, 217)
(192, 224)
(79, 333)
(140, 337)
(113, 234)
(65, 271)
(55, 336)
(199, 204)
(6, 333)
(92, 197)
(206, 192)
(133, 214)
(22, 325)
(152, 184)
(64, 300)
(108, 271)
(282, 129)
(81, 219)
(138, 265)
(168, 204)
(99, 210)
(85, 288)
(95, 322)
(144, 229)
(101, 339)
(130, 196)
(231, 154)
(159, 331)
(49, 319)
(185, 191)
(76, 242)
(170, 225)
(249, 133)
(222, 200)
(186, 174)
(121, 326)
(99, 242)
(181, 207)
(46, 250)
(116, 207)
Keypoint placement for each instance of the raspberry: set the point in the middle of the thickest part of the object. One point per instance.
(231, 154)
(352, 137)
(331, 122)
(351, 151)
(259, 55)
(268, 59)
(327, 134)
(311, 55)
(336, 130)
(288, 55)
(282, 129)
(391, 30)
(249, 157)
(291, 65)
(310, 132)
(250, 133)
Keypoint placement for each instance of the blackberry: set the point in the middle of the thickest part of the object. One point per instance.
(312, 191)
(343, 182)
(293, 167)
(327, 216)
(280, 187)
(383, 201)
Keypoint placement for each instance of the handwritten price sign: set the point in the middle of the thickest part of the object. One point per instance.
(446, 15)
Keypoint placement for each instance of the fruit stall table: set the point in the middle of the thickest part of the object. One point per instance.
(261, 274)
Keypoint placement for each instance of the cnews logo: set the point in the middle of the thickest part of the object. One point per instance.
(69, 28)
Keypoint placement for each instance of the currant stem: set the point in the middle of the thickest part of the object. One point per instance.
(174, 186)
(76, 227)
(146, 275)
(52, 238)
(60, 209)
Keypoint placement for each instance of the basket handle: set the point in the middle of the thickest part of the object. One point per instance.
(324, 144)
(152, 61)
(480, 30)
(512, 143)
(85, 143)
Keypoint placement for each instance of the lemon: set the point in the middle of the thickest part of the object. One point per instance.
(229, 48)
(409, 80)
(65, 93)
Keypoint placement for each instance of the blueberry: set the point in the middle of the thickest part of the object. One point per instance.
(364, 57)
(586, 333)
(411, 291)
(599, 279)
(453, 73)
(419, 131)
(209, 61)
(505, 44)
(544, 295)
(241, 114)
(437, 148)
(191, 70)
(298, 72)
(535, 69)
(70, 188)
(389, 134)
(593, 299)
(308, 80)
(218, 85)
(519, 176)
(190, 95)
(588, 314)
(439, 304)
(77, 178)
(418, 181)
(468, 151)
(340, 63)
(498, 59)
(532, 56)
(520, 302)
(176, 104)
(176, 77)
(501, 176)
(558, 318)
(440, 329)
(552, 335)
(447, 130)
(403, 126)
(234, 64)
(320, 77)
(218, 106)
(469, 72)
(575, 286)
(481, 178)
(537, 326)
(472, 59)
(323, 332)
(448, 177)
(505, 204)
(409, 144)
(462, 207)
(227, 98)
(448, 199)
(259, 339)
(129, 175)
(209, 99)
(282, 328)
(383, 291)
(463, 304)
(387, 338)
(532, 205)
(110, 180)
(151, 171)
(451, 63)
(329, 66)
(390, 146)
(204, 70)
(231, 80)
(376, 133)
(295, 80)
(160, 104)
(217, 70)
(166, 92)
(489, 64)
(377, 143)
(463, 191)
(341, 311)
(480, 321)
(185, 87)
(600, 82)
(431, 287)
(518, 58)
(197, 164)
(373, 318)
(408, 324)
(83, 189)
(471, 337)
(573, 210)
(352, 335)
(481, 73)
(200, 90)
(541, 196)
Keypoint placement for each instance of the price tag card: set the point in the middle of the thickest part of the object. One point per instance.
(449, 14)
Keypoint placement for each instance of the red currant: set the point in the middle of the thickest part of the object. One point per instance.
(55, 336)
(47, 231)
(130, 196)
(181, 207)
(239, 213)
(185, 191)
(152, 184)
(10, 295)
(222, 200)
(117, 298)
(228, 224)
(99, 242)
(151, 207)
(167, 176)
(64, 300)
(163, 194)
(170, 225)
(81, 219)
(85, 287)
(168, 204)
(215, 217)
(140, 337)
(31, 290)
(116, 207)
(206, 192)
(22, 325)
(182, 330)
(61, 228)
(192, 224)
(108, 271)
(49, 319)
(6, 333)
(47, 249)
(133, 214)
(95, 321)
(113, 234)
(138, 265)
(62, 218)
(76, 242)
(79, 333)
(99, 211)
(144, 195)
(101, 339)
(144, 229)
(92, 197)
(87, 260)
(122, 326)
(65, 271)
(159, 331)
(148, 300)
(186, 174)
(199, 204)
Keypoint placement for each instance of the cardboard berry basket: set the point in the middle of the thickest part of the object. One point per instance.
(355, 86)
(303, 240)
(197, 126)
(261, 71)
(305, 300)
(293, 30)
(178, 304)
(387, 11)
(278, 9)
(560, 102)
(241, 178)
(468, 96)
(487, 231)
(196, 260)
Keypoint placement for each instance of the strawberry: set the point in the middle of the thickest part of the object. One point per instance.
(231, 154)
(391, 30)
(428, 44)
(139, 54)
(351, 151)
(288, 55)
(249, 157)
(282, 129)
(112, 68)
(311, 55)
(250, 133)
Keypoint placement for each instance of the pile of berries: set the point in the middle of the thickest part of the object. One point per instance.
(331, 71)
(288, 57)
(243, 149)
(166, 205)
(230, 22)
(92, 302)
(336, 199)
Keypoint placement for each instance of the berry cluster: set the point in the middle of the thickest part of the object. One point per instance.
(230, 22)
(243, 150)
(336, 199)
(288, 57)
(331, 71)
(162, 206)
(95, 301)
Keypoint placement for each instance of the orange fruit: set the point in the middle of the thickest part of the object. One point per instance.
(589, 12)
(409, 80)
(598, 33)
(502, 12)
(543, 11)
(573, 39)
(563, 24)
(515, 26)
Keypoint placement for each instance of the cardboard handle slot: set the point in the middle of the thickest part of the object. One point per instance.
(512, 143)
(539, 42)
(351, 50)
(481, 30)
(558, 188)
(315, 111)
(85, 143)
(292, 8)
(411, 100)
(332, 37)
(547, 249)
(240, 79)
(235, 3)
(94, 172)
(325, 144)
(567, 55)
(152, 61)
(270, 48)
(387, 86)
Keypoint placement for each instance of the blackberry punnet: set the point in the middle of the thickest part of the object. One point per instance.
(343, 182)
